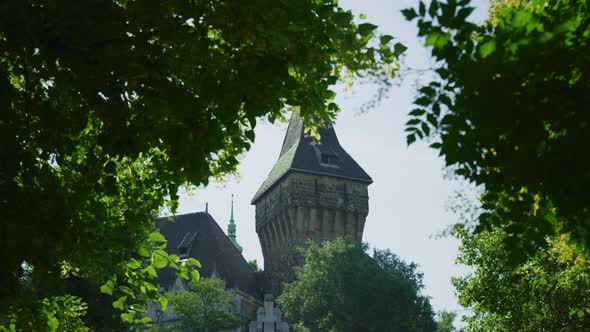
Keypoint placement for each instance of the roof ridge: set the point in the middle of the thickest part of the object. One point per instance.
(182, 215)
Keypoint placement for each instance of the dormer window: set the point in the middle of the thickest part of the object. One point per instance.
(185, 244)
(326, 155)
(328, 159)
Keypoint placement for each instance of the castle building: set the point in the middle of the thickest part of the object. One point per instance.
(315, 192)
(199, 236)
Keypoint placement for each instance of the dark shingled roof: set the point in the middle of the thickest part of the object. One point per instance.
(204, 240)
(301, 155)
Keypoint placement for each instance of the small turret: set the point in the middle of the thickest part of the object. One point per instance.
(231, 228)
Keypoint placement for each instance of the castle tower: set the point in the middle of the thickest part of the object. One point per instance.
(315, 191)
(231, 228)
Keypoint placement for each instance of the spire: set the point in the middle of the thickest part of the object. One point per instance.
(232, 209)
(231, 228)
(300, 153)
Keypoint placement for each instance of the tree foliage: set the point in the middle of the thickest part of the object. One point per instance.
(508, 110)
(341, 288)
(550, 291)
(108, 107)
(445, 320)
(497, 5)
(203, 306)
(57, 313)
(39, 309)
(254, 265)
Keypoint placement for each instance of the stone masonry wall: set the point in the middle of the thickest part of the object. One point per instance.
(304, 207)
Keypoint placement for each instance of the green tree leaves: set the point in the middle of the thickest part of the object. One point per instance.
(103, 119)
(157, 237)
(506, 110)
(159, 259)
(546, 292)
(138, 283)
(341, 288)
(409, 13)
(445, 320)
(487, 48)
(437, 39)
(109, 286)
(52, 314)
(203, 306)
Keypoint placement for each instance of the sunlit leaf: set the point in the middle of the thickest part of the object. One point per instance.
(157, 237)
(159, 259)
(487, 48)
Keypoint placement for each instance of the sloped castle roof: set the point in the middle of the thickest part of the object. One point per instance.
(198, 235)
(301, 154)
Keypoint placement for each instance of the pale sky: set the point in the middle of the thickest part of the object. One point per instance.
(409, 198)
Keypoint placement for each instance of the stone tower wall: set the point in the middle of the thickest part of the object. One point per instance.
(302, 207)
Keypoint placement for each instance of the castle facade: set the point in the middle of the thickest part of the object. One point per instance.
(315, 192)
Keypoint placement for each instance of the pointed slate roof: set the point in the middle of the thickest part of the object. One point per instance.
(198, 235)
(300, 154)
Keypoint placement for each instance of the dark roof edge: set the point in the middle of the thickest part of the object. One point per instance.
(308, 172)
(255, 198)
(229, 241)
(182, 215)
(216, 224)
(332, 175)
